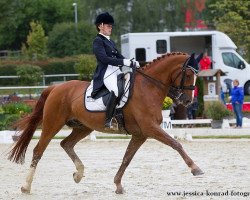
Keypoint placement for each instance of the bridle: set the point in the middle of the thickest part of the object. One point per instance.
(176, 92)
(183, 77)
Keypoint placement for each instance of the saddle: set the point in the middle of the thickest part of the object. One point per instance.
(98, 104)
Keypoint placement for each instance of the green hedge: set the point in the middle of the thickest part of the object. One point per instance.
(49, 66)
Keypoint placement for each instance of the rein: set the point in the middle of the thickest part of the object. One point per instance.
(183, 78)
(151, 78)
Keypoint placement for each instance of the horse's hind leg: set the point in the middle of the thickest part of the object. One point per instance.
(134, 144)
(68, 145)
(37, 154)
(48, 132)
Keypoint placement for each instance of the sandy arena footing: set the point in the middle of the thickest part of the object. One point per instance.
(156, 172)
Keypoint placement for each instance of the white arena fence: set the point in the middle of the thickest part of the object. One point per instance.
(64, 77)
(39, 88)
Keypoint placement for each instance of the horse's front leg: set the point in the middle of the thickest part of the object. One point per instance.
(132, 148)
(157, 133)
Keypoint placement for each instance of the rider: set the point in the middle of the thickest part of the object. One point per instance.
(109, 63)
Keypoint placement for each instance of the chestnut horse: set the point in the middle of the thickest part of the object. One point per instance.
(173, 74)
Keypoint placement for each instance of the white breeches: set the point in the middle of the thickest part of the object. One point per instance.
(110, 78)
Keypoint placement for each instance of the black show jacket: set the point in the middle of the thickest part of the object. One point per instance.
(106, 54)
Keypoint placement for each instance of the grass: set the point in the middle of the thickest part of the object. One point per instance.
(223, 137)
(56, 137)
(97, 137)
(247, 98)
(194, 137)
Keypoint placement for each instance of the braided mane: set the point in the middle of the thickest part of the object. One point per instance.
(150, 64)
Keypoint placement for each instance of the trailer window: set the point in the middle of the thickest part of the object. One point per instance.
(230, 59)
(140, 54)
(161, 46)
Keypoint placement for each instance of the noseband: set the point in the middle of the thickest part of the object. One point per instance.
(176, 92)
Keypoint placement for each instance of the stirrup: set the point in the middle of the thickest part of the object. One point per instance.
(112, 125)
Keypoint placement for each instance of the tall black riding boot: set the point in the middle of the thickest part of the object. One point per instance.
(112, 102)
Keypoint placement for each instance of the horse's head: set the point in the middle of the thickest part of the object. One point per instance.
(183, 83)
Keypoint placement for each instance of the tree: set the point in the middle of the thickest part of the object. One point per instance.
(232, 18)
(141, 15)
(29, 75)
(85, 66)
(16, 15)
(64, 40)
(36, 47)
(130, 16)
(161, 16)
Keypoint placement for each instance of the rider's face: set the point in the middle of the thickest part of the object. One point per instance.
(105, 29)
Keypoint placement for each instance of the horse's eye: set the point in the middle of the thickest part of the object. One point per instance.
(189, 77)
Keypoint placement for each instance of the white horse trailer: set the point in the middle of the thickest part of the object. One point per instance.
(145, 47)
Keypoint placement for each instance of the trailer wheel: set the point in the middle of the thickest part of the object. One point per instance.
(247, 88)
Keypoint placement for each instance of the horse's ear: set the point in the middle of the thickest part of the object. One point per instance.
(191, 60)
(198, 59)
(194, 62)
(192, 56)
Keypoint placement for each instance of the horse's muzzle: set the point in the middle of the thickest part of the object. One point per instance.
(184, 99)
(180, 97)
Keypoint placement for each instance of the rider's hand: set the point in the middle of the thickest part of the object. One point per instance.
(136, 64)
(129, 63)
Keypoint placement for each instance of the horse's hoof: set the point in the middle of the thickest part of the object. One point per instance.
(77, 177)
(197, 172)
(25, 190)
(119, 190)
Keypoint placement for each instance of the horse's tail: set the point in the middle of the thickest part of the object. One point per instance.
(28, 126)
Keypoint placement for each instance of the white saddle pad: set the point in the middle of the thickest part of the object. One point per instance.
(98, 105)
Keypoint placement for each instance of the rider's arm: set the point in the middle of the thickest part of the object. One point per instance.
(101, 55)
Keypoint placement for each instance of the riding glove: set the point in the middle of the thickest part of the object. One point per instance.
(128, 62)
(136, 64)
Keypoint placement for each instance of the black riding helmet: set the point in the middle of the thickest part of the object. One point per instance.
(105, 18)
